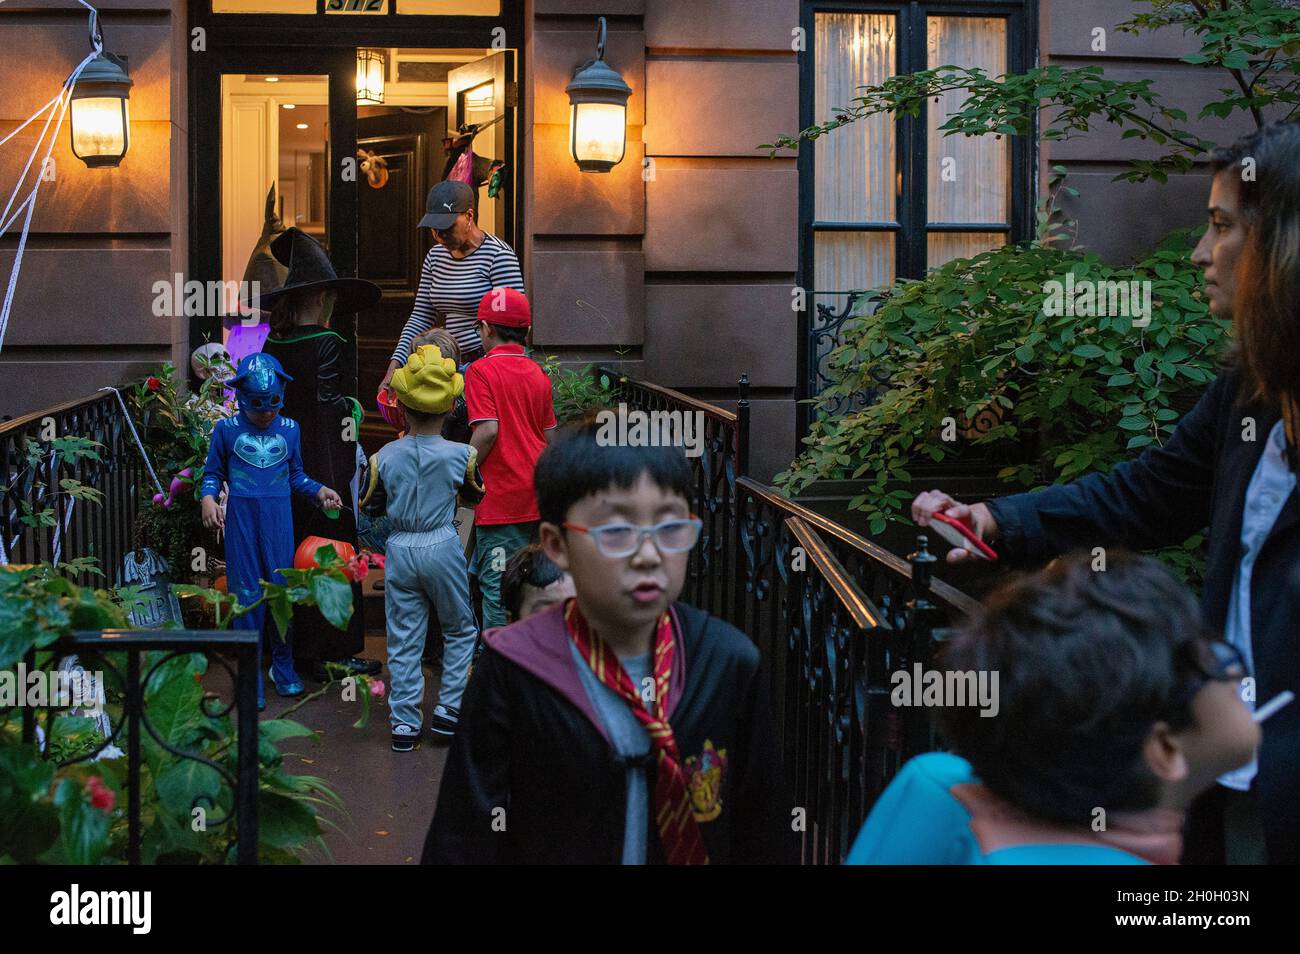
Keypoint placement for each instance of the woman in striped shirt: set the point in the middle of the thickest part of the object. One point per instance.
(464, 264)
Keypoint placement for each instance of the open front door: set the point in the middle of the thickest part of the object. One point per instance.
(482, 99)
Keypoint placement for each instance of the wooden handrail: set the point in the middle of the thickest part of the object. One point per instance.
(953, 597)
(35, 416)
(864, 613)
(712, 410)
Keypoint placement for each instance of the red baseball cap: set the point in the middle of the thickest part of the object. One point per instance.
(505, 306)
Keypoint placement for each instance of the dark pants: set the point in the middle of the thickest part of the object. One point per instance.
(315, 640)
(1224, 827)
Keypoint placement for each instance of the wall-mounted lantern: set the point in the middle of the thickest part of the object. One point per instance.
(370, 77)
(598, 112)
(101, 117)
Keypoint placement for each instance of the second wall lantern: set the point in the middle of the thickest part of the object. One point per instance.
(598, 112)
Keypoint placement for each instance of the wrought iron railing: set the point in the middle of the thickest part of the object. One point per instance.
(130, 661)
(834, 615)
(32, 464)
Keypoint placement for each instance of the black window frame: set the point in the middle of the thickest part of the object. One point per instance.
(911, 160)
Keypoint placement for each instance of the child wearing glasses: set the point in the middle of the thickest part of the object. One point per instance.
(620, 726)
(1115, 711)
(415, 481)
(257, 454)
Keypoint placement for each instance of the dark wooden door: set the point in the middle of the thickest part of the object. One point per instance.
(390, 246)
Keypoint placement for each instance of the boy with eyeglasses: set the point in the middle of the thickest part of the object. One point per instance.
(1116, 709)
(620, 727)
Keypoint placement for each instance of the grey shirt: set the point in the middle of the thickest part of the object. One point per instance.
(630, 741)
(421, 475)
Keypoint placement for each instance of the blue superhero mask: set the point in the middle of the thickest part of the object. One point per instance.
(259, 383)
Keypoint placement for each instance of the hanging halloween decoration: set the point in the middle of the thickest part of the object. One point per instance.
(464, 165)
(374, 167)
(269, 273)
(263, 267)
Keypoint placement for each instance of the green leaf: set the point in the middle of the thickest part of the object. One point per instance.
(333, 596)
(285, 822)
(1134, 423)
(1088, 351)
(83, 829)
(182, 781)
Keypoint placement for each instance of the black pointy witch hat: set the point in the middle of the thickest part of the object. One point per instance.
(310, 270)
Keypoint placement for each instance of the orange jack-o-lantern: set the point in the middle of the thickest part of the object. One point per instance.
(305, 557)
(219, 584)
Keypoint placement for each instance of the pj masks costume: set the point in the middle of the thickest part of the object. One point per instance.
(261, 466)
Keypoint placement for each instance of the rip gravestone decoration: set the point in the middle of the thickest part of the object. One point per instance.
(157, 604)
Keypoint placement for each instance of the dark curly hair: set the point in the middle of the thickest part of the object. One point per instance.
(1087, 662)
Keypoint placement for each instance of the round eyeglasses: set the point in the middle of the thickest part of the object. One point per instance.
(624, 539)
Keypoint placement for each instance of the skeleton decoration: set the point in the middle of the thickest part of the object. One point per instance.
(374, 167)
(212, 360)
(156, 604)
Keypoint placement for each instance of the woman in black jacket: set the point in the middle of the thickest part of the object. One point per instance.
(1230, 465)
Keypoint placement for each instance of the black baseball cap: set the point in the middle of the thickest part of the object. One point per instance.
(446, 201)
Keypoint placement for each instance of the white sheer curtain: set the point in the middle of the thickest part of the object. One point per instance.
(968, 177)
(854, 170)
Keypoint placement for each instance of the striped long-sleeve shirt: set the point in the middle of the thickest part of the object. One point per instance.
(454, 287)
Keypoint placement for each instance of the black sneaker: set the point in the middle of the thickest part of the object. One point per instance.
(405, 739)
(444, 721)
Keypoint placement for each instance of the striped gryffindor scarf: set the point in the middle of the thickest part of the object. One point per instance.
(678, 830)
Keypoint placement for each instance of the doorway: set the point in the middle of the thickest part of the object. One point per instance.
(279, 138)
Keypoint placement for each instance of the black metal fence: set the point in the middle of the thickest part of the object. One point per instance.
(130, 663)
(834, 615)
(39, 520)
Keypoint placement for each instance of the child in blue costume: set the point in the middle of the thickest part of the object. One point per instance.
(258, 454)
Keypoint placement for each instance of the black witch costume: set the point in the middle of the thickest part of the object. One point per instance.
(314, 357)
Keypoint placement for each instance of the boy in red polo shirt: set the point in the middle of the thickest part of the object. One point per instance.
(510, 409)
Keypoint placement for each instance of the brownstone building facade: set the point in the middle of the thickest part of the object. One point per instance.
(681, 263)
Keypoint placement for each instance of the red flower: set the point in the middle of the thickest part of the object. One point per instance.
(101, 796)
(153, 384)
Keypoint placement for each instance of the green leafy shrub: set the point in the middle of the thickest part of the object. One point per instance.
(175, 428)
(969, 350)
(575, 392)
(75, 814)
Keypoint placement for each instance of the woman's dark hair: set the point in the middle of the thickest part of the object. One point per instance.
(529, 566)
(1087, 662)
(577, 464)
(1266, 309)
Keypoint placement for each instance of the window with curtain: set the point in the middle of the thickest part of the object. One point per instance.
(867, 177)
(887, 198)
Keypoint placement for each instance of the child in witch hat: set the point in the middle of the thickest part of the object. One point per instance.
(257, 453)
(321, 401)
(416, 480)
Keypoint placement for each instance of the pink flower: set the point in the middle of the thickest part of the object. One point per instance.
(101, 796)
(377, 688)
